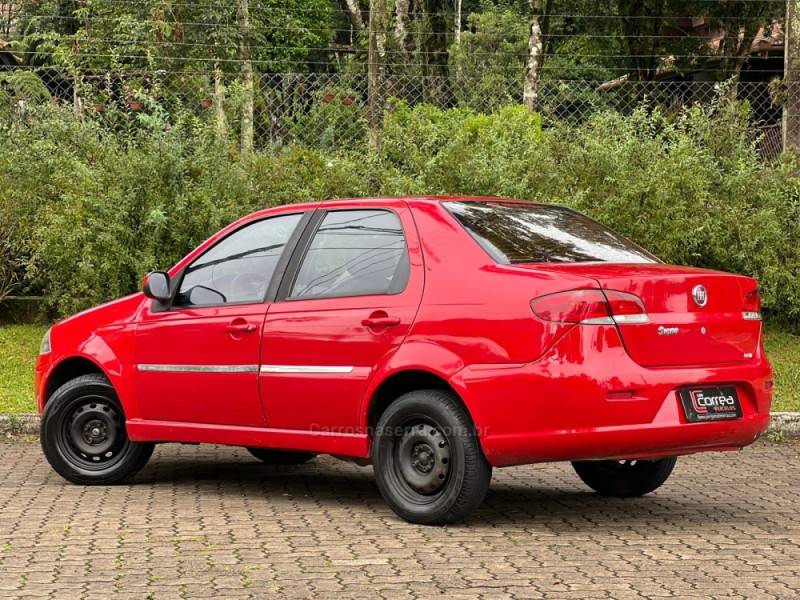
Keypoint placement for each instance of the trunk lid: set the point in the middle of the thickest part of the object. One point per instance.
(680, 331)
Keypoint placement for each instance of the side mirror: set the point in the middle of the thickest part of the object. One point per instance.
(156, 285)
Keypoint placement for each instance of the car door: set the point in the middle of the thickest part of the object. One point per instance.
(345, 305)
(197, 360)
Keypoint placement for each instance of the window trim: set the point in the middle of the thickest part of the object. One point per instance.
(272, 284)
(302, 248)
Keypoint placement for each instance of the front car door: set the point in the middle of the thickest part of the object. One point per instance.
(344, 307)
(197, 360)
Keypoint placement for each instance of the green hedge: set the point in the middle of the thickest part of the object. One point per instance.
(93, 212)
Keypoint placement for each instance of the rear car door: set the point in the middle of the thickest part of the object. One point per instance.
(197, 361)
(346, 304)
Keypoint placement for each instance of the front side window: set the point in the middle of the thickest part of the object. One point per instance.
(354, 253)
(239, 268)
(541, 233)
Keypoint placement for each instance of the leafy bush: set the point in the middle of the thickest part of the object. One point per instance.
(97, 211)
(93, 211)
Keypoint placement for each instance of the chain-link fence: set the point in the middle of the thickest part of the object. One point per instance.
(332, 110)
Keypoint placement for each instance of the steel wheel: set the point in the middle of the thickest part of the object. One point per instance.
(83, 434)
(427, 460)
(422, 457)
(92, 434)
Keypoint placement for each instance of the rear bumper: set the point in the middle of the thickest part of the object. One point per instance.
(587, 399)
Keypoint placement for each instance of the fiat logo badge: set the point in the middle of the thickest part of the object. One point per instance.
(700, 295)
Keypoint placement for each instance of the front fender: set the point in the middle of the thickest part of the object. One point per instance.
(110, 349)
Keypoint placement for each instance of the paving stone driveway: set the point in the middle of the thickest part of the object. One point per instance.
(204, 521)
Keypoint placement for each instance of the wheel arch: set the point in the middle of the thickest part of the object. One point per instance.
(401, 382)
(67, 369)
(416, 364)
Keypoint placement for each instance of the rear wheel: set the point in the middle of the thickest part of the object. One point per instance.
(428, 462)
(624, 478)
(281, 457)
(83, 434)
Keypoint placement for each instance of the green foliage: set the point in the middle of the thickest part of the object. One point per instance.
(95, 211)
(488, 65)
(690, 187)
(429, 150)
(19, 91)
(337, 119)
(98, 211)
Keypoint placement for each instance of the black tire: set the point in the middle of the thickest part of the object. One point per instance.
(624, 478)
(83, 434)
(427, 459)
(281, 457)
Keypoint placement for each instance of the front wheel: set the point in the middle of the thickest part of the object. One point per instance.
(83, 434)
(427, 459)
(624, 478)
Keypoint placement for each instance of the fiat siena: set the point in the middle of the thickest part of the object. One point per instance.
(436, 337)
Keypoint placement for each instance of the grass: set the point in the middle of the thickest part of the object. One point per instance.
(19, 345)
(783, 349)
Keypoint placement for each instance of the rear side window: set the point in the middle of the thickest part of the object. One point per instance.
(354, 253)
(543, 233)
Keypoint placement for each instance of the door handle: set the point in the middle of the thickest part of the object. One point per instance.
(240, 327)
(380, 319)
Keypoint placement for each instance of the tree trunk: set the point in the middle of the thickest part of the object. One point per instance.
(457, 21)
(356, 22)
(219, 103)
(247, 77)
(533, 63)
(401, 8)
(77, 101)
(378, 26)
(791, 78)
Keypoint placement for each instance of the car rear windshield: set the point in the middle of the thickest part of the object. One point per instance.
(538, 233)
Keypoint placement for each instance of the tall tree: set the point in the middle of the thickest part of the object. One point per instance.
(353, 11)
(8, 12)
(247, 77)
(378, 28)
(535, 57)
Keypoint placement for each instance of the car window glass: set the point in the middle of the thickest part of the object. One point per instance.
(512, 233)
(238, 269)
(354, 253)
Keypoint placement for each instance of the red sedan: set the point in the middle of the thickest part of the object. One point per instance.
(438, 337)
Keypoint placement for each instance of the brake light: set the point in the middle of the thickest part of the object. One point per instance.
(576, 306)
(752, 305)
(590, 307)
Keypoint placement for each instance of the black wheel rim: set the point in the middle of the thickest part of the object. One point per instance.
(420, 458)
(91, 434)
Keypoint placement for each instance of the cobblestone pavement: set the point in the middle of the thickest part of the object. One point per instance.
(205, 521)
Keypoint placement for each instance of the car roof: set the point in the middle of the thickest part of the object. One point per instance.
(378, 200)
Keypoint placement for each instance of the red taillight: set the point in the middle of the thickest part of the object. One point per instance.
(752, 305)
(752, 301)
(576, 306)
(590, 307)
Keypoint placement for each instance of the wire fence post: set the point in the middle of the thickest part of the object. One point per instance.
(791, 105)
